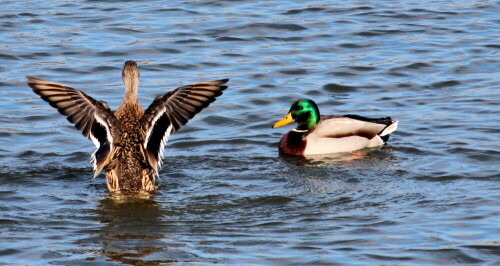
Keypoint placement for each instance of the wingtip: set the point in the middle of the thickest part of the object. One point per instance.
(32, 81)
(222, 86)
(219, 81)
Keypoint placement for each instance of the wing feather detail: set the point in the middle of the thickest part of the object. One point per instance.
(167, 113)
(93, 118)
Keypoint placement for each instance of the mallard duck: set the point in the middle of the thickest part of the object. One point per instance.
(129, 142)
(317, 134)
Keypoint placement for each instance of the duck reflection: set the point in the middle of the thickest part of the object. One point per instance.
(138, 231)
(360, 156)
(132, 231)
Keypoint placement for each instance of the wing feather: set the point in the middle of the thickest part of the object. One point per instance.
(93, 118)
(169, 112)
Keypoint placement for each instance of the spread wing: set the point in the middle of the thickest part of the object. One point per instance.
(93, 118)
(169, 112)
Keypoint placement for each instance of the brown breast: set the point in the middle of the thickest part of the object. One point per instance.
(292, 143)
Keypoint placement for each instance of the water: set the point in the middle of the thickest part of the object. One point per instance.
(429, 197)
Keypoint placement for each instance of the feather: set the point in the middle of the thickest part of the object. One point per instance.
(93, 118)
(167, 113)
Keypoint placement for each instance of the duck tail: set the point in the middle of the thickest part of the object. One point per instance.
(389, 129)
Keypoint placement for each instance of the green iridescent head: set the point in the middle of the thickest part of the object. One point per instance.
(304, 111)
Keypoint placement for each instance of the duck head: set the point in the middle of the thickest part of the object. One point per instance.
(304, 111)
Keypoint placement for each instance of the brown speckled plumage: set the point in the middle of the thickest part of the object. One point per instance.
(129, 141)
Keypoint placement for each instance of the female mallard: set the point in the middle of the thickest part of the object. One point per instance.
(317, 134)
(130, 141)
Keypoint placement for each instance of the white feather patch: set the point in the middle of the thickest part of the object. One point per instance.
(96, 141)
(163, 142)
(391, 128)
(98, 145)
(164, 139)
(151, 126)
(106, 126)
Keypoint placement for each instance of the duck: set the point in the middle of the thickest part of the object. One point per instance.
(129, 141)
(316, 134)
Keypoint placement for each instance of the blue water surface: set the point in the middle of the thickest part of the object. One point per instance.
(226, 196)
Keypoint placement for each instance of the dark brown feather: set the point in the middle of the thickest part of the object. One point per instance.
(80, 110)
(175, 109)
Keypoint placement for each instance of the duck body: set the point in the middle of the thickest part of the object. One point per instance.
(127, 168)
(331, 134)
(129, 142)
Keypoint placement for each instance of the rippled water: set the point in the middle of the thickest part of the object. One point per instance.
(430, 196)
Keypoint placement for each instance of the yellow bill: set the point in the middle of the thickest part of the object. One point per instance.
(285, 121)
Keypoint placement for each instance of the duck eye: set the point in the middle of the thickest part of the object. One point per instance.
(300, 108)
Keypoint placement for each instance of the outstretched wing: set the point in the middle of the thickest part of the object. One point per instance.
(169, 112)
(93, 118)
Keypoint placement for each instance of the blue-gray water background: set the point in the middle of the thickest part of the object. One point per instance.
(430, 196)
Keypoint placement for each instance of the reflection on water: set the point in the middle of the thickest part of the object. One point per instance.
(375, 153)
(132, 229)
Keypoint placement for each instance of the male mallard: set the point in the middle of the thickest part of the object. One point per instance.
(317, 134)
(130, 141)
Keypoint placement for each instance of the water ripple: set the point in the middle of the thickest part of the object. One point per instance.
(225, 195)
